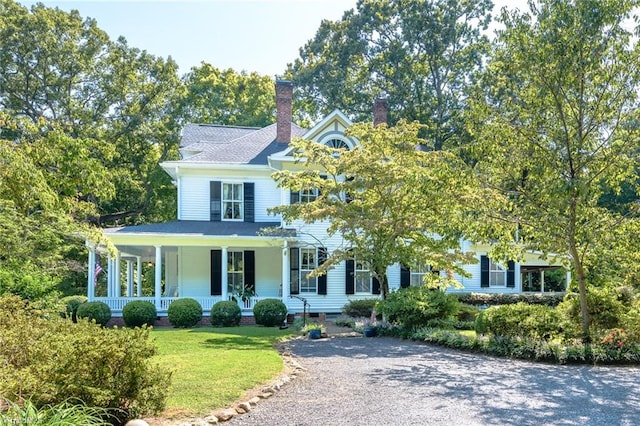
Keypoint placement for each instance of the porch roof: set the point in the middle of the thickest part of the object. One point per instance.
(200, 228)
(140, 240)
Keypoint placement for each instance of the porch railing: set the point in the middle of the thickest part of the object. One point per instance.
(117, 303)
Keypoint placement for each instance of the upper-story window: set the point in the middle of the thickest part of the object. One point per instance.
(232, 201)
(337, 143)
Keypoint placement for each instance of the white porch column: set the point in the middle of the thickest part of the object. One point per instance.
(91, 288)
(117, 286)
(129, 278)
(518, 277)
(158, 277)
(285, 274)
(110, 269)
(225, 273)
(139, 276)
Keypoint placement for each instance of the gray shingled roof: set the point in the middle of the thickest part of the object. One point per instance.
(234, 145)
(198, 227)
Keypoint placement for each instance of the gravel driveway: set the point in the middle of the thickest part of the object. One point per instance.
(386, 381)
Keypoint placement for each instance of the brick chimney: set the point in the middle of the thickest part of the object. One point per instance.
(284, 97)
(380, 108)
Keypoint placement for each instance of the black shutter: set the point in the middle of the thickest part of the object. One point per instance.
(216, 272)
(322, 280)
(294, 197)
(249, 202)
(350, 277)
(405, 276)
(511, 274)
(215, 198)
(484, 271)
(376, 285)
(294, 271)
(250, 269)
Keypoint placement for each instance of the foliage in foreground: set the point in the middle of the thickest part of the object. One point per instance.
(63, 414)
(101, 367)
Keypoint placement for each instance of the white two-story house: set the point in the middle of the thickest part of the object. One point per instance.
(217, 247)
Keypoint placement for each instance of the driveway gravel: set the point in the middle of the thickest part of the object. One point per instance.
(387, 381)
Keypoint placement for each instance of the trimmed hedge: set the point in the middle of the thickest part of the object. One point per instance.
(225, 313)
(415, 307)
(509, 299)
(184, 313)
(71, 304)
(96, 311)
(270, 312)
(138, 313)
(359, 308)
(519, 320)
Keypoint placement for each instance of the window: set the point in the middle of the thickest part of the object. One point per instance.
(235, 272)
(417, 275)
(308, 262)
(362, 277)
(543, 279)
(337, 143)
(308, 195)
(232, 204)
(497, 275)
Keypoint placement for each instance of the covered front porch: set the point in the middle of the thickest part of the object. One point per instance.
(205, 261)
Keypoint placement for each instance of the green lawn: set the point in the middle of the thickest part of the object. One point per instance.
(212, 367)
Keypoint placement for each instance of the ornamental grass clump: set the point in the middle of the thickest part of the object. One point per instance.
(225, 313)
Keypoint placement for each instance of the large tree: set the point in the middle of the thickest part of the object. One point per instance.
(227, 97)
(557, 127)
(65, 75)
(421, 54)
(388, 201)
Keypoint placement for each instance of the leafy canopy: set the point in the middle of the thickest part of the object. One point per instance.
(389, 200)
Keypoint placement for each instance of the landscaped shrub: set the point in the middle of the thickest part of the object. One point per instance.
(96, 311)
(138, 313)
(414, 307)
(225, 313)
(605, 311)
(270, 312)
(102, 367)
(519, 320)
(359, 308)
(184, 312)
(71, 304)
(509, 298)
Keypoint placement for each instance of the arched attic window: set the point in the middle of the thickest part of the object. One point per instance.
(337, 143)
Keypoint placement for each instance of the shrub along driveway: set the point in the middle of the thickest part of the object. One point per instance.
(364, 381)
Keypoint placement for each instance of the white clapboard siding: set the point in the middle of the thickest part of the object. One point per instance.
(194, 198)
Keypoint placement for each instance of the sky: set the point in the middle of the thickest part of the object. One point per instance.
(260, 36)
(250, 35)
